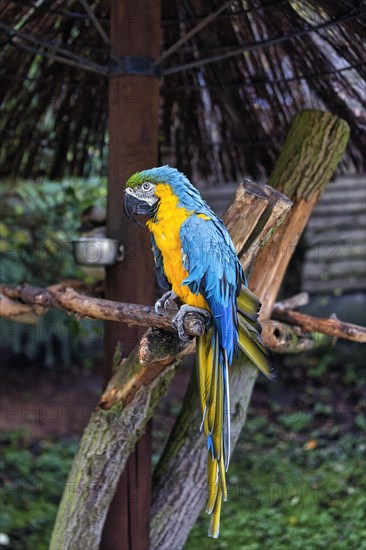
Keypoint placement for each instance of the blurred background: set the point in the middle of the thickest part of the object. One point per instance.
(223, 116)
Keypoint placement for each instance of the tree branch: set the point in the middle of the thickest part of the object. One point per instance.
(332, 326)
(25, 303)
(68, 299)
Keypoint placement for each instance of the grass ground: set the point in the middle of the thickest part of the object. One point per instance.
(296, 479)
(291, 494)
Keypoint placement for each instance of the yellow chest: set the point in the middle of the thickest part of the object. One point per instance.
(166, 234)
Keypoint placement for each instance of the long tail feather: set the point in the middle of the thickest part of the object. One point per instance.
(212, 483)
(256, 353)
(218, 407)
(214, 397)
(213, 381)
(214, 527)
(226, 421)
(222, 472)
(204, 372)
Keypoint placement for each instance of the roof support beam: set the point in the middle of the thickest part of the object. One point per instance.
(133, 146)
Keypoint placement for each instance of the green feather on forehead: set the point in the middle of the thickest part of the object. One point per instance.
(162, 174)
(135, 180)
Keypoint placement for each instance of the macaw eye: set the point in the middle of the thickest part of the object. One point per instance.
(146, 186)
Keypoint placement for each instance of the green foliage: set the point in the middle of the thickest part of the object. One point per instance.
(32, 479)
(296, 421)
(290, 493)
(360, 421)
(296, 479)
(39, 221)
(57, 339)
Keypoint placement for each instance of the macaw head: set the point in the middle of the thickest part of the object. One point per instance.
(140, 193)
(140, 198)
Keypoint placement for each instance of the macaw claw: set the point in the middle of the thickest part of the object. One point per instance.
(178, 320)
(167, 299)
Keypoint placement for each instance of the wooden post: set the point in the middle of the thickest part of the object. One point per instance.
(133, 140)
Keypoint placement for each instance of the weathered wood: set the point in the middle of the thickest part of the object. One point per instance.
(278, 207)
(17, 311)
(312, 150)
(286, 339)
(282, 339)
(68, 299)
(160, 345)
(311, 153)
(279, 337)
(251, 199)
(131, 376)
(264, 209)
(332, 327)
(107, 442)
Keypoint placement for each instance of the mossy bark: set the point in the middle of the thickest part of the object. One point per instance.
(106, 444)
(310, 155)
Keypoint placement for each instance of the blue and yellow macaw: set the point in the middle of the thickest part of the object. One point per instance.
(194, 254)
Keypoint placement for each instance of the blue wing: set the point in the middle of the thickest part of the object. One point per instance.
(159, 266)
(215, 272)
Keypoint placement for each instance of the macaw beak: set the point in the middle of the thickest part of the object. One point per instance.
(134, 206)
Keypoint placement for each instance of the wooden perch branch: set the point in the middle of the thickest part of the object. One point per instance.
(158, 349)
(265, 208)
(18, 311)
(68, 299)
(332, 327)
(25, 303)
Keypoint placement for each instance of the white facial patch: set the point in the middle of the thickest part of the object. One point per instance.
(144, 192)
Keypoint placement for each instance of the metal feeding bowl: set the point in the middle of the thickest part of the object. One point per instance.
(97, 251)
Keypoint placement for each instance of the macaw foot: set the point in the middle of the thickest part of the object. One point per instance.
(178, 320)
(166, 301)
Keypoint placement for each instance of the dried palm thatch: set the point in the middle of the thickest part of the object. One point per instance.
(233, 76)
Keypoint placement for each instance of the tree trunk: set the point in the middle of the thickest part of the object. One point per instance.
(106, 444)
(314, 147)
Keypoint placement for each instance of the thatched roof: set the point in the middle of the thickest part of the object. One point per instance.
(229, 91)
